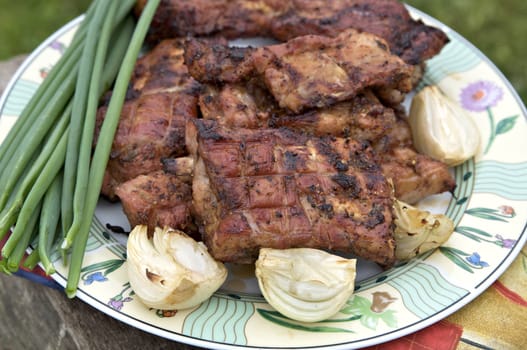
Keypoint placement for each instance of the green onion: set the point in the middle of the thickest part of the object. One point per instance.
(40, 99)
(32, 260)
(49, 220)
(9, 215)
(79, 111)
(44, 180)
(33, 137)
(13, 262)
(104, 144)
(48, 177)
(79, 151)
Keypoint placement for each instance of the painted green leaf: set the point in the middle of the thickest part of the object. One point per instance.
(480, 232)
(467, 229)
(467, 176)
(279, 319)
(103, 265)
(506, 125)
(117, 265)
(350, 310)
(369, 321)
(347, 319)
(449, 253)
(389, 318)
(455, 251)
(461, 200)
(470, 235)
(380, 279)
(359, 302)
(482, 210)
(485, 213)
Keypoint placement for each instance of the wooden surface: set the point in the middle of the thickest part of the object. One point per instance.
(38, 317)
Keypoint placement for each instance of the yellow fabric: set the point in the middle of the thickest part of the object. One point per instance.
(498, 318)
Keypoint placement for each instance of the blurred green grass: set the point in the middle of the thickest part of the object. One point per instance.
(24, 24)
(497, 28)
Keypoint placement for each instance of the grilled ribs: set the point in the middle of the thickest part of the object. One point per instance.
(160, 98)
(306, 72)
(363, 118)
(410, 39)
(158, 199)
(249, 105)
(281, 189)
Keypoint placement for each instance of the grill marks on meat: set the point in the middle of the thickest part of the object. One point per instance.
(158, 199)
(282, 157)
(410, 39)
(249, 105)
(362, 118)
(160, 98)
(306, 72)
(278, 188)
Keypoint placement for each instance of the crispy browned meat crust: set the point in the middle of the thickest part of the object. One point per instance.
(414, 175)
(306, 72)
(281, 189)
(363, 118)
(160, 98)
(249, 105)
(158, 199)
(410, 39)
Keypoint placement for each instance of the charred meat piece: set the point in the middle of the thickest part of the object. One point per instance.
(250, 106)
(160, 98)
(158, 199)
(410, 39)
(225, 18)
(306, 72)
(415, 176)
(244, 105)
(362, 118)
(281, 189)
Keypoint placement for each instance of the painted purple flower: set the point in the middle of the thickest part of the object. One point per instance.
(117, 302)
(57, 45)
(475, 260)
(95, 277)
(479, 96)
(505, 243)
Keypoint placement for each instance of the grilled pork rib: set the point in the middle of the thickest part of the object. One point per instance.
(249, 105)
(160, 98)
(281, 189)
(308, 71)
(363, 118)
(158, 199)
(410, 39)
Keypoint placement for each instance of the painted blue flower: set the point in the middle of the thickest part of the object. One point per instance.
(475, 260)
(95, 277)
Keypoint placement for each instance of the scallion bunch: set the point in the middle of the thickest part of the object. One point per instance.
(50, 176)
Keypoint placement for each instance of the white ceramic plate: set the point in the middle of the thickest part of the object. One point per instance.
(489, 209)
